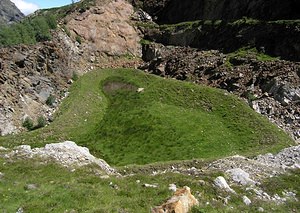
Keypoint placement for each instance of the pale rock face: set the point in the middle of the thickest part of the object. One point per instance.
(181, 202)
(107, 29)
(221, 183)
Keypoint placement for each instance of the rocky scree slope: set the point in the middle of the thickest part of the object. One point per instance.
(29, 75)
(9, 13)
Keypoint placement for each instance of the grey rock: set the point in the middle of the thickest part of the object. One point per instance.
(20, 210)
(260, 209)
(221, 183)
(31, 186)
(9, 13)
(67, 153)
(246, 200)
(240, 176)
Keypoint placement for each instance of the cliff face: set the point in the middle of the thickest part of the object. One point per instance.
(174, 11)
(276, 38)
(9, 12)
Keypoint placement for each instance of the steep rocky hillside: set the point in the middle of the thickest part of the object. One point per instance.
(86, 37)
(174, 11)
(255, 59)
(9, 13)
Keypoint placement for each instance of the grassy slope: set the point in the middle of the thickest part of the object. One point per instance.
(165, 122)
(83, 191)
(170, 120)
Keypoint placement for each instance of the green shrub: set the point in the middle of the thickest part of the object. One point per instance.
(28, 123)
(29, 31)
(50, 100)
(41, 122)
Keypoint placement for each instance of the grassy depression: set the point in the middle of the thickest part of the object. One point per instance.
(168, 120)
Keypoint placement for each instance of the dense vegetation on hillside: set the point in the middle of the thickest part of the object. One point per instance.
(29, 31)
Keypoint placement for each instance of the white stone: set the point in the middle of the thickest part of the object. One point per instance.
(221, 183)
(260, 209)
(246, 200)
(150, 185)
(172, 187)
(3, 148)
(67, 153)
(140, 90)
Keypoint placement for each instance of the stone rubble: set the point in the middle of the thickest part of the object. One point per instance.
(288, 158)
(262, 166)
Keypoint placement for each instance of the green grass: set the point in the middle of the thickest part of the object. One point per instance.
(84, 191)
(245, 52)
(170, 120)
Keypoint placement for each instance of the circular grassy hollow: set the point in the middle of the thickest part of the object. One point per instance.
(168, 120)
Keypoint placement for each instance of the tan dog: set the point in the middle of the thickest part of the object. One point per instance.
(181, 202)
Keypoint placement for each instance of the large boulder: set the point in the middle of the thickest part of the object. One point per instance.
(181, 202)
(67, 154)
(222, 184)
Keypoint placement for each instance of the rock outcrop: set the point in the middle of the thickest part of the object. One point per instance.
(9, 13)
(67, 154)
(222, 184)
(229, 37)
(28, 76)
(106, 29)
(181, 202)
